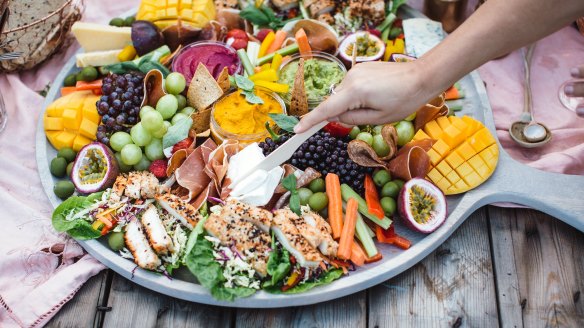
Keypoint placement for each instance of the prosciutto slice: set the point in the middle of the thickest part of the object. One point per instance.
(190, 175)
(412, 160)
(435, 108)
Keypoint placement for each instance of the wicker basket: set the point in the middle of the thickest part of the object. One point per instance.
(37, 29)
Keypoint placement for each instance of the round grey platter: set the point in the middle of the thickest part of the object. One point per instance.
(561, 196)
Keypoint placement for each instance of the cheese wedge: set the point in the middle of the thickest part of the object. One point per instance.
(98, 37)
(97, 58)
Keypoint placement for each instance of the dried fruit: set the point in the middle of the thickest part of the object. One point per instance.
(94, 169)
(183, 144)
(464, 156)
(158, 168)
(422, 205)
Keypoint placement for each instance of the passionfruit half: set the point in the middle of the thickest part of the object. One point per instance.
(95, 168)
(422, 205)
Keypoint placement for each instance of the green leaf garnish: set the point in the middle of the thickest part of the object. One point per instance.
(177, 132)
(285, 122)
(244, 83)
(289, 183)
(252, 98)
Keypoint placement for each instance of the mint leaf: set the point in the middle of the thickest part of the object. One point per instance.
(285, 122)
(244, 83)
(252, 98)
(177, 132)
(289, 183)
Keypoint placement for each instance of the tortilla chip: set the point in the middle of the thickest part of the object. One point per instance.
(203, 90)
(299, 100)
(201, 120)
(223, 80)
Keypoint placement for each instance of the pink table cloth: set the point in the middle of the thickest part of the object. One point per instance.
(40, 270)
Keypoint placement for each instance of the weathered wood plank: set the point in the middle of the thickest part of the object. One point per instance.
(548, 258)
(454, 286)
(136, 306)
(348, 311)
(81, 311)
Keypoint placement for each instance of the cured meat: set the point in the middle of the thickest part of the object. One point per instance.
(435, 108)
(191, 174)
(414, 162)
(216, 167)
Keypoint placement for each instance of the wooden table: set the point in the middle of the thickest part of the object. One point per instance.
(503, 267)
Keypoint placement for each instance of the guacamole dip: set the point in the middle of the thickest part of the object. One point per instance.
(319, 75)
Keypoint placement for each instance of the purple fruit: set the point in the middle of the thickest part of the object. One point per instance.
(146, 37)
(422, 205)
(95, 168)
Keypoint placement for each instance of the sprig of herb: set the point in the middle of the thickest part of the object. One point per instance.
(263, 16)
(247, 89)
(289, 183)
(285, 122)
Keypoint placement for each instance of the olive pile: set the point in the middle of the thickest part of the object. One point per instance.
(61, 167)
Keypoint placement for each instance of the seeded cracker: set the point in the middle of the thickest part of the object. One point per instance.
(299, 100)
(202, 93)
(223, 80)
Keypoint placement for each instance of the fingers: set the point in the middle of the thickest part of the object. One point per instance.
(332, 107)
(362, 117)
(577, 72)
(575, 89)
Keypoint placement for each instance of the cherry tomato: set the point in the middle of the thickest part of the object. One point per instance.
(239, 44)
(237, 34)
(337, 129)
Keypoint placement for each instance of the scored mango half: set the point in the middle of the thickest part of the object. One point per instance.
(165, 13)
(464, 155)
(72, 120)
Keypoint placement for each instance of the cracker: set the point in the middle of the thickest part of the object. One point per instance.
(203, 90)
(223, 80)
(201, 120)
(299, 100)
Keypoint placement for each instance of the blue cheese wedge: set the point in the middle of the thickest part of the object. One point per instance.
(98, 37)
(421, 34)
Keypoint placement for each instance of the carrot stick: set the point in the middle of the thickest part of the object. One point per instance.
(278, 41)
(348, 233)
(452, 93)
(372, 198)
(82, 85)
(357, 254)
(303, 45)
(67, 90)
(335, 205)
(379, 234)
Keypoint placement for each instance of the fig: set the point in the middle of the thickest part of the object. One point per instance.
(422, 205)
(180, 35)
(95, 168)
(146, 37)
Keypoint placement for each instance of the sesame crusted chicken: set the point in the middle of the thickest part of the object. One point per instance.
(285, 4)
(179, 209)
(226, 4)
(244, 236)
(293, 241)
(370, 10)
(319, 7)
(253, 214)
(326, 18)
(314, 225)
(138, 245)
(135, 185)
(159, 239)
(118, 188)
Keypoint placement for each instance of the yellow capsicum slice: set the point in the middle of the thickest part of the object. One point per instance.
(267, 75)
(276, 87)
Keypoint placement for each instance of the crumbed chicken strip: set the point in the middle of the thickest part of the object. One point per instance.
(245, 236)
(148, 185)
(320, 7)
(118, 188)
(179, 209)
(133, 185)
(285, 4)
(225, 4)
(326, 244)
(138, 245)
(258, 216)
(157, 234)
(291, 239)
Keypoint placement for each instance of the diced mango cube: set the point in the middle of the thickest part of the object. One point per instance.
(454, 159)
(434, 175)
(453, 177)
(443, 122)
(452, 136)
(434, 157)
(443, 184)
(461, 185)
(88, 129)
(476, 162)
(464, 169)
(71, 119)
(64, 139)
(441, 148)
(477, 143)
(52, 136)
(421, 135)
(53, 123)
(79, 142)
(484, 171)
(472, 179)
(91, 114)
(444, 168)
(465, 150)
(433, 130)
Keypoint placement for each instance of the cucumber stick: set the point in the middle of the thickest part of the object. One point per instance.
(347, 192)
(291, 49)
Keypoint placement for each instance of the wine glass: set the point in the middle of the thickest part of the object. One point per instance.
(573, 103)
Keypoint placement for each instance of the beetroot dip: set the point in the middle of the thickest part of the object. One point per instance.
(214, 55)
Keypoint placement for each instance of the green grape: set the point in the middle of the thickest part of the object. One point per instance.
(381, 177)
(304, 194)
(143, 164)
(365, 136)
(354, 132)
(377, 129)
(177, 117)
(140, 136)
(175, 83)
(187, 110)
(380, 146)
(123, 167)
(167, 124)
(153, 150)
(119, 139)
(145, 110)
(405, 132)
(162, 131)
(182, 101)
(131, 154)
(167, 106)
(388, 205)
(152, 121)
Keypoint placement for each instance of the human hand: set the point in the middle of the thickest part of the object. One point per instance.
(576, 88)
(373, 93)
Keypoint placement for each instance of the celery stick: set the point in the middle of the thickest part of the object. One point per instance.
(385, 35)
(303, 11)
(253, 49)
(387, 22)
(293, 48)
(247, 66)
(347, 192)
(364, 237)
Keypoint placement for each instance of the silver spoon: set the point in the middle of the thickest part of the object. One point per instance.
(527, 132)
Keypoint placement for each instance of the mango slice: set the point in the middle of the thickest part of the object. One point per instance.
(72, 120)
(164, 13)
(464, 156)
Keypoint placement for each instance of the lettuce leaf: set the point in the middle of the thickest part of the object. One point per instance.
(80, 228)
(209, 272)
(302, 287)
(278, 265)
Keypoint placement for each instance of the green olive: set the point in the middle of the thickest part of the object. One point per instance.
(58, 167)
(116, 241)
(129, 20)
(399, 183)
(88, 74)
(64, 189)
(317, 185)
(304, 195)
(365, 136)
(69, 168)
(70, 80)
(388, 205)
(390, 189)
(381, 177)
(119, 22)
(380, 146)
(68, 154)
(318, 201)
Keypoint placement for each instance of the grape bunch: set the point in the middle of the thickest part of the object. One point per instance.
(324, 153)
(119, 104)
